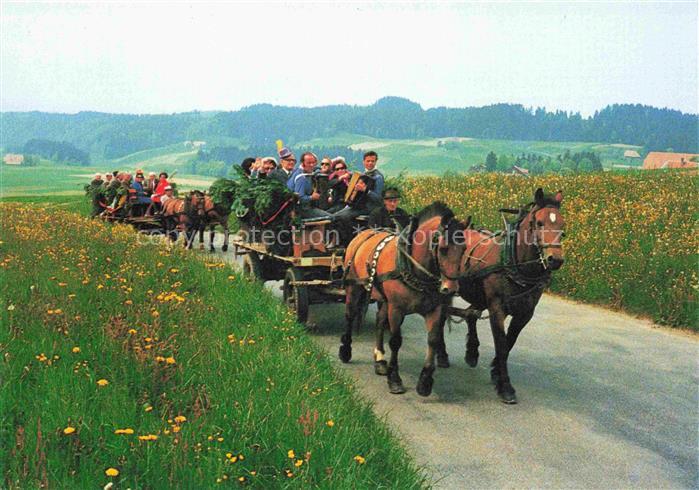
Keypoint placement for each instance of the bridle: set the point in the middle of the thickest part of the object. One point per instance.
(535, 230)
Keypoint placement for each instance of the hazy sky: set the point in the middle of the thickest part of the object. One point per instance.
(172, 57)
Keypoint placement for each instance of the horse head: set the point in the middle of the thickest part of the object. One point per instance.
(443, 234)
(197, 203)
(543, 228)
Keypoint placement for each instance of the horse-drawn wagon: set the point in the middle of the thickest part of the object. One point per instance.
(310, 270)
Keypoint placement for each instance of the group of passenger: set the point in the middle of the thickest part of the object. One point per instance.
(322, 189)
(143, 195)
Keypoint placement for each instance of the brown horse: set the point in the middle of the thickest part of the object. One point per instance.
(214, 215)
(414, 272)
(507, 274)
(185, 215)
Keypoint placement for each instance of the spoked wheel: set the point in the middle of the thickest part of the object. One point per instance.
(252, 267)
(296, 297)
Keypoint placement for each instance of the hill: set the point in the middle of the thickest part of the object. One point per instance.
(112, 136)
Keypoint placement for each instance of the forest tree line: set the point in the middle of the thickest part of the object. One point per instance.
(110, 136)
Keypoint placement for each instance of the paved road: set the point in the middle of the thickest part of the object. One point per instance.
(605, 401)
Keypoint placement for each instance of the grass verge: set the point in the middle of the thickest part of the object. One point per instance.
(145, 367)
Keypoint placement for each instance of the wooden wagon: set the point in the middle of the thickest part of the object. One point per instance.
(311, 273)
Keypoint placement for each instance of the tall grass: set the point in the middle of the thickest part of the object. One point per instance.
(631, 238)
(146, 367)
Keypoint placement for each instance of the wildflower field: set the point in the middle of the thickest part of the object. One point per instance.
(128, 365)
(631, 238)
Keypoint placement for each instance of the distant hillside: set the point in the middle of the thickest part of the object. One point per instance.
(111, 136)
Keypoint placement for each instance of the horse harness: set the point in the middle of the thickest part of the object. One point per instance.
(407, 269)
(508, 259)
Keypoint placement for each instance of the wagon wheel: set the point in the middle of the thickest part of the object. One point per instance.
(296, 297)
(252, 267)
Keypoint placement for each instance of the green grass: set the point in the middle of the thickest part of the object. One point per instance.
(425, 157)
(47, 180)
(174, 336)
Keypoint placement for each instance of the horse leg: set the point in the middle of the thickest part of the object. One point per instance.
(212, 232)
(225, 234)
(434, 322)
(380, 364)
(498, 371)
(472, 342)
(395, 320)
(201, 228)
(354, 313)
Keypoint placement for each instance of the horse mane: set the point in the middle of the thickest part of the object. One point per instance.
(437, 208)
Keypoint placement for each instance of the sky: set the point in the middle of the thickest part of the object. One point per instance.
(174, 57)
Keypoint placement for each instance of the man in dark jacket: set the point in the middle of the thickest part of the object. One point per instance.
(286, 169)
(389, 216)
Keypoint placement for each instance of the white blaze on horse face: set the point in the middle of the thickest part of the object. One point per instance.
(552, 216)
(378, 355)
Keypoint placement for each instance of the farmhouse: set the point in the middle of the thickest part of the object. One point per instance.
(661, 159)
(13, 159)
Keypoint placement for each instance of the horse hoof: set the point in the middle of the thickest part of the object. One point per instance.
(345, 353)
(212, 250)
(396, 387)
(443, 361)
(471, 358)
(424, 385)
(508, 398)
(381, 368)
(507, 394)
(224, 248)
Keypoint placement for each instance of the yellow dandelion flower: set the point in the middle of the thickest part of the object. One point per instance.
(76, 350)
(298, 463)
(330, 423)
(102, 382)
(68, 430)
(148, 408)
(360, 459)
(126, 431)
(132, 331)
(291, 454)
(111, 472)
(170, 360)
(176, 428)
(229, 455)
(241, 479)
(180, 418)
(148, 437)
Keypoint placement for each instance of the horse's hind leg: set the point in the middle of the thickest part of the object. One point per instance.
(380, 364)
(434, 322)
(212, 233)
(472, 342)
(395, 320)
(355, 309)
(225, 235)
(201, 229)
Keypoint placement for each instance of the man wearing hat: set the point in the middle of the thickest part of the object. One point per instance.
(286, 168)
(95, 191)
(169, 194)
(151, 184)
(389, 216)
(142, 200)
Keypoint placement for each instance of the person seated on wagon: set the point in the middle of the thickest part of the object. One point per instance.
(95, 191)
(169, 194)
(303, 186)
(389, 216)
(141, 200)
(325, 165)
(151, 184)
(263, 167)
(287, 167)
(367, 197)
(337, 183)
